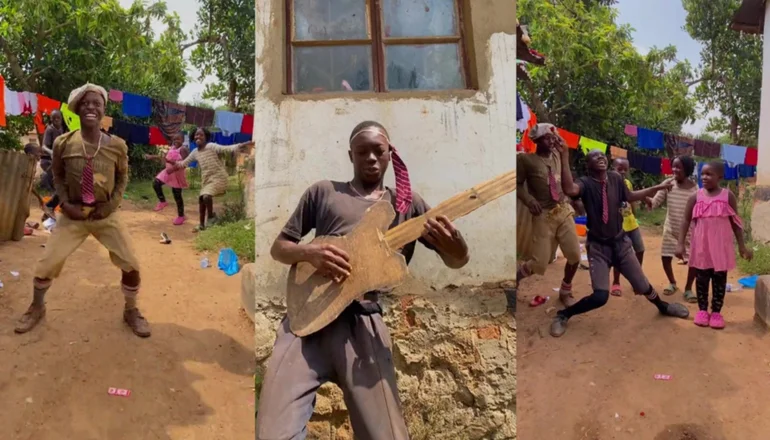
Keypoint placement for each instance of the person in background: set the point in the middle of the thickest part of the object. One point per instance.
(630, 225)
(175, 178)
(713, 212)
(53, 130)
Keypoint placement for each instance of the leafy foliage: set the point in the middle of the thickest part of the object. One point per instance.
(731, 69)
(225, 48)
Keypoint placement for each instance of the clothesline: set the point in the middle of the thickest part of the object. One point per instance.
(169, 116)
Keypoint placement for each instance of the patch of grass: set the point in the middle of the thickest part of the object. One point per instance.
(141, 193)
(237, 235)
(760, 264)
(654, 218)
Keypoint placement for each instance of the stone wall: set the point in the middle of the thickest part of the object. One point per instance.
(455, 355)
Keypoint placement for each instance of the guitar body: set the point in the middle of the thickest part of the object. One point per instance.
(314, 301)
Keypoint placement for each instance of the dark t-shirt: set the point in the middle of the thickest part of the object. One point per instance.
(51, 133)
(333, 208)
(591, 195)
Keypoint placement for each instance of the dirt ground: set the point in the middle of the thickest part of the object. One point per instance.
(596, 382)
(191, 380)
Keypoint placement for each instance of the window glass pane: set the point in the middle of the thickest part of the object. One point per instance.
(332, 69)
(330, 20)
(424, 67)
(419, 18)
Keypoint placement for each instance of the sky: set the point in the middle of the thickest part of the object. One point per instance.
(659, 23)
(187, 11)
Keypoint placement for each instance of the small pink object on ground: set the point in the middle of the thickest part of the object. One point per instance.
(122, 392)
(662, 377)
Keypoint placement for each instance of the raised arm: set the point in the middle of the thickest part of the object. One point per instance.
(229, 148)
(568, 185)
(636, 196)
(659, 199)
(192, 157)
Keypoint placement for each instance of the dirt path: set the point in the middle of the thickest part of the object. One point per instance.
(572, 388)
(191, 380)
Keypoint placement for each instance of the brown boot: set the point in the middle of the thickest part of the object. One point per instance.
(30, 319)
(137, 323)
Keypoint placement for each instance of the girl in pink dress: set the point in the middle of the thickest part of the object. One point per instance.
(172, 177)
(712, 252)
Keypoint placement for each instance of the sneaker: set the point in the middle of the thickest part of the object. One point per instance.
(559, 325)
(178, 221)
(676, 310)
(616, 290)
(717, 321)
(30, 319)
(136, 322)
(702, 318)
(160, 206)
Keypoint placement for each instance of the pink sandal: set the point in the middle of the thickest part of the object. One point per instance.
(702, 318)
(616, 290)
(716, 321)
(160, 206)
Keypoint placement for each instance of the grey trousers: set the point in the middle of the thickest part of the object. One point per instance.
(354, 352)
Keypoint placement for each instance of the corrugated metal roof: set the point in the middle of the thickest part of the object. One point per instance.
(16, 173)
(750, 17)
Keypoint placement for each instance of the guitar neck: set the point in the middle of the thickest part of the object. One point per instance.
(458, 206)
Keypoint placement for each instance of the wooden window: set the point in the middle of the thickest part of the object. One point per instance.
(374, 45)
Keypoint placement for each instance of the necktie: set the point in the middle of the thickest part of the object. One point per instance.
(605, 205)
(553, 185)
(403, 187)
(87, 186)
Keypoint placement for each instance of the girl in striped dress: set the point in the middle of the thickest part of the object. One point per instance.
(712, 254)
(213, 172)
(676, 200)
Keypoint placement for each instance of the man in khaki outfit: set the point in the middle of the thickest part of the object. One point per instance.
(553, 223)
(90, 172)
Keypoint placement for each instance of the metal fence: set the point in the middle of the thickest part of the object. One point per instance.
(17, 170)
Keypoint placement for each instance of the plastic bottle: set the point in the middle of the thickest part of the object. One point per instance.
(737, 288)
(205, 263)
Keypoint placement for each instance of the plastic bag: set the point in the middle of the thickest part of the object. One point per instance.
(749, 282)
(228, 262)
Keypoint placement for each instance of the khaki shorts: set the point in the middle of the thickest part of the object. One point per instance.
(69, 234)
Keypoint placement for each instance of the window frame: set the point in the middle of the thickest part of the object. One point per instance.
(378, 42)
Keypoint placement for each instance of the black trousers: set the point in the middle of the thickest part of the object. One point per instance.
(157, 185)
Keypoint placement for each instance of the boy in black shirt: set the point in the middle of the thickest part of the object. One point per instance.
(603, 193)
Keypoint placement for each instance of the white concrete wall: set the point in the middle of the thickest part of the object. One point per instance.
(448, 143)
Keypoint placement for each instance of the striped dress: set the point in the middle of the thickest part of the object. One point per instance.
(676, 201)
(213, 171)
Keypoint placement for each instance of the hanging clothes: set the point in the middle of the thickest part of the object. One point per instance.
(157, 137)
(519, 112)
(169, 116)
(731, 172)
(651, 165)
(192, 146)
(136, 105)
(685, 147)
(751, 156)
(571, 139)
(247, 126)
(707, 148)
(631, 130)
(670, 144)
(649, 139)
(222, 139)
(121, 129)
(665, 167)
(28, 103)
(587, 145)
(733, 154)
(746, 171)
(699, 169)
(240, 138)
(11, 100)
(70, 118)
(199, 117)
(116, 95)
(140, 134)
(3, 122)
(523, 124)
(526, 142)
(228, 122)
(617, 152)
(635, 160)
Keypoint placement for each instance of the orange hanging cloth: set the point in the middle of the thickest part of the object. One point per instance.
(526, 142)
(45, 105)
(571, 139)
(2, 102)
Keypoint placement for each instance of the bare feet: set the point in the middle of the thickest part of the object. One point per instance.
(137, 323)
(30, 319)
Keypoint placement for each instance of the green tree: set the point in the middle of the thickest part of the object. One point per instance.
(731, 69)
(224, 41)
(594, 81)
(53, 46)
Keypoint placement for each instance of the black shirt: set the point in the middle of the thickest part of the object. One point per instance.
(591, 195)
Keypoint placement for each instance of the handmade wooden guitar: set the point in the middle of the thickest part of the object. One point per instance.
(314, 301)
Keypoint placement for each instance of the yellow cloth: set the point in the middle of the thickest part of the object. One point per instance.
(629, 220)
(587, 145)
(68, 235)
(71, 119)
(106, 123)
(617, 152)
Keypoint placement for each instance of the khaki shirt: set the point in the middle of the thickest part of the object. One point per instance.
(532, 174)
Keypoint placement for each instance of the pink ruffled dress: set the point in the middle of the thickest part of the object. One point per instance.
(712, 244)
(172, 178)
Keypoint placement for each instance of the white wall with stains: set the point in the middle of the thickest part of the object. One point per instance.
(448, 143)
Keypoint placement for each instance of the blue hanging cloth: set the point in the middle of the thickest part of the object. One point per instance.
(228, 262)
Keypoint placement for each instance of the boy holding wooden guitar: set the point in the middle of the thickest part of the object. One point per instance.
(354, 351)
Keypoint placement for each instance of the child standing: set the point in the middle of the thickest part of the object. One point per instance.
(213, 172)
(175, 178)
(675, 201)
(712, 253)
(630, 225)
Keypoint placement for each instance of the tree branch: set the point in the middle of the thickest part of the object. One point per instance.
(209, 39)
(13, 60)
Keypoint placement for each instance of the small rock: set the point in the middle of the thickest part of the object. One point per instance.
(28, 400)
